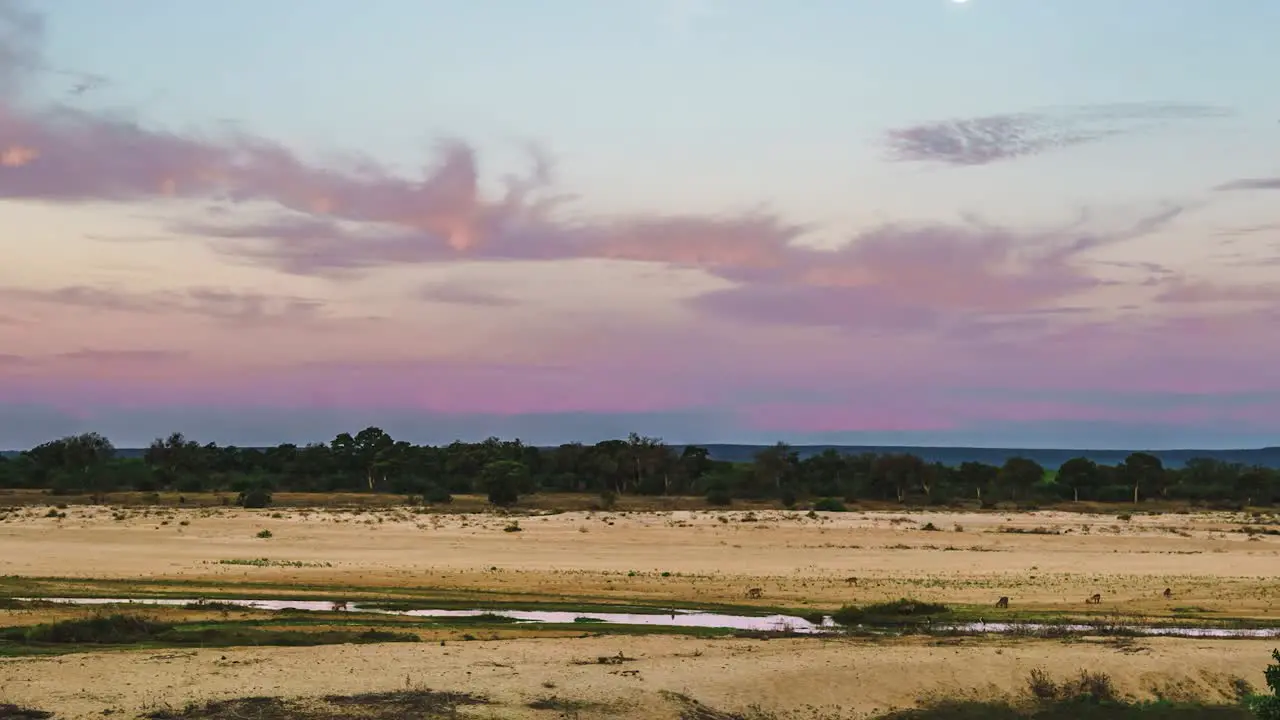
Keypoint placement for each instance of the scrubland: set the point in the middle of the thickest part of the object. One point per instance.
(1219, 569)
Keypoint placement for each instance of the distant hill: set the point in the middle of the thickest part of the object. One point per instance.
(1048, 457)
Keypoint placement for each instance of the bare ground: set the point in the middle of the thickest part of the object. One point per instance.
(778, 675)
(693, 556)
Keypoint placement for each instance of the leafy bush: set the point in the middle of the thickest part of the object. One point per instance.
(719, 496)
(116, 629)
(1267, 707)
(829, 505)
(434, 494)
(254, 498)
(608, 499)
(888, 612)
(788, 498)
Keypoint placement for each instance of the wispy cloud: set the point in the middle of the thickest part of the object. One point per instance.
(224, 305)
(994, 138)
(919, 308)
(456, 294)
(1251, 184)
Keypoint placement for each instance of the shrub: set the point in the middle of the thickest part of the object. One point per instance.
(829, 505)
(888, 612)
(9, 711)
(608, 499)
(254, 498)
(434, 494)
(98, 630)
(788, 498)
(719, 496)
(1267, 707)
(264, 534)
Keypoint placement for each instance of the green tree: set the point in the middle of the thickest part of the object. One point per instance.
(1267, 707)
(1141, 470)
(175, 457)
(776, 468)
(502, 480)
(1018, 476)
(1079, 473)
(899, 474)
(975, 475)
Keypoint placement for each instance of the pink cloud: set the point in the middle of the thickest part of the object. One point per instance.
(877, 334)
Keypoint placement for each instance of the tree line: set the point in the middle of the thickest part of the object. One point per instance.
(504, 470)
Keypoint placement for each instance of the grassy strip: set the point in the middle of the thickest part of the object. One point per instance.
(404, 598)
(371, 706)
(120, 630)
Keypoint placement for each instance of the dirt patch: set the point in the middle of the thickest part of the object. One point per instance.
(730, 675)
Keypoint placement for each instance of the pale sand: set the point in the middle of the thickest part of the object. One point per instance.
(797, 561)
(779, 675)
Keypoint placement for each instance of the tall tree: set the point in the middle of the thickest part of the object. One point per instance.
(1079, 473)
(1141, 470)
(1019, 475)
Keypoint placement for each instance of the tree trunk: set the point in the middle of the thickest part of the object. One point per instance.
(1135, 493)
(1075, 493)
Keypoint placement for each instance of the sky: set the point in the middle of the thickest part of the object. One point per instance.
(998, 223)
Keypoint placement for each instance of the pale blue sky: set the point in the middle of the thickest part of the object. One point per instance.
(756, 101)
(1137, 324)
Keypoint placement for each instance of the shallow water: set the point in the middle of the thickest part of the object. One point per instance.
(686, 618)
(676, 618)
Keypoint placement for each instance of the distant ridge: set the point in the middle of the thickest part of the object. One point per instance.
(1048, 457)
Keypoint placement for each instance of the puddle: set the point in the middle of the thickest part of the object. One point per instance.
(677, 618)
(686, 618)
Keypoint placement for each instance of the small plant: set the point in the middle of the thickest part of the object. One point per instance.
(829, 505)
(1267, 707)
(513, 527)
(436, 495)
(608, 499)
(263, 534)
(929, 527)
(719, 497)
(254, 498)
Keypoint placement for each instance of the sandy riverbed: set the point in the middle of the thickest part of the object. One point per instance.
(779, 675)
(796, 561)
(694, 556)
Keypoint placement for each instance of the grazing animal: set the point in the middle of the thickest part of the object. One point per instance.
(755, 593)
(1095, 599)
(339, 605)
(851, 581)
(1168, 593)
(1002, 602)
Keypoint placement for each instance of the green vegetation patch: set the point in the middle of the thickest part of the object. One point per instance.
(421, 703)
(267, 562)
(889, 613)
(1071, 710)
(120, 630)
(9, 711)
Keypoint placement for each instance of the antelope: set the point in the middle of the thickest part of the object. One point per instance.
(339, 605)
(1002, 602)
(1168, 593)
(755, 593)
(1095, 599)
